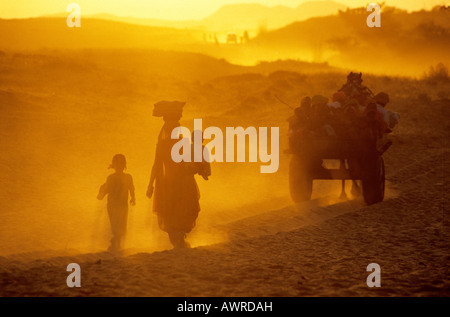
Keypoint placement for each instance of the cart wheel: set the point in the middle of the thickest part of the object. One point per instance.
(373, 181)
(300, 182)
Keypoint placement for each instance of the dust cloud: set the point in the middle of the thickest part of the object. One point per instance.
(69, 101)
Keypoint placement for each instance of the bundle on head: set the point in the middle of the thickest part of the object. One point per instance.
(168, 109)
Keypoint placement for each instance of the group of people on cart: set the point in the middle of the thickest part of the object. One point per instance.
(354, 112)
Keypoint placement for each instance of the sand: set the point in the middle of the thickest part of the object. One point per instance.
(258, 243)
(304, 250)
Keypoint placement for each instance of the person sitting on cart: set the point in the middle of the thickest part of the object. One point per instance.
(339, 99)
(346, 122)
(337, 107)
(298, 123)
(321, 117)
(372, 122)
(390, 118)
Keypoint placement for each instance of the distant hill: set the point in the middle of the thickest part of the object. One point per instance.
(109, 31)
(53, 33)
(256, 16)
(405, 42)
(237, 17)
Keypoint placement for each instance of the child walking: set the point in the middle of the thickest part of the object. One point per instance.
(117, 187)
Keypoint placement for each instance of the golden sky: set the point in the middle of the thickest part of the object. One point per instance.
(168, 9)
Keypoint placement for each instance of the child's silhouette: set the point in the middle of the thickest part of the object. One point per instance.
(117, 187)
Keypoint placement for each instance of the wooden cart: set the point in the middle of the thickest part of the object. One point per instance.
(359, 160)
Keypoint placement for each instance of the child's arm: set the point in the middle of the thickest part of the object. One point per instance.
(102, 192)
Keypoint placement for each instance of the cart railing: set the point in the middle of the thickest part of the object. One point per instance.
(339, 148)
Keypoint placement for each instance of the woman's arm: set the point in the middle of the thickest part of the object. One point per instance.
(152, 180)
(132, 194)
(156, 166)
